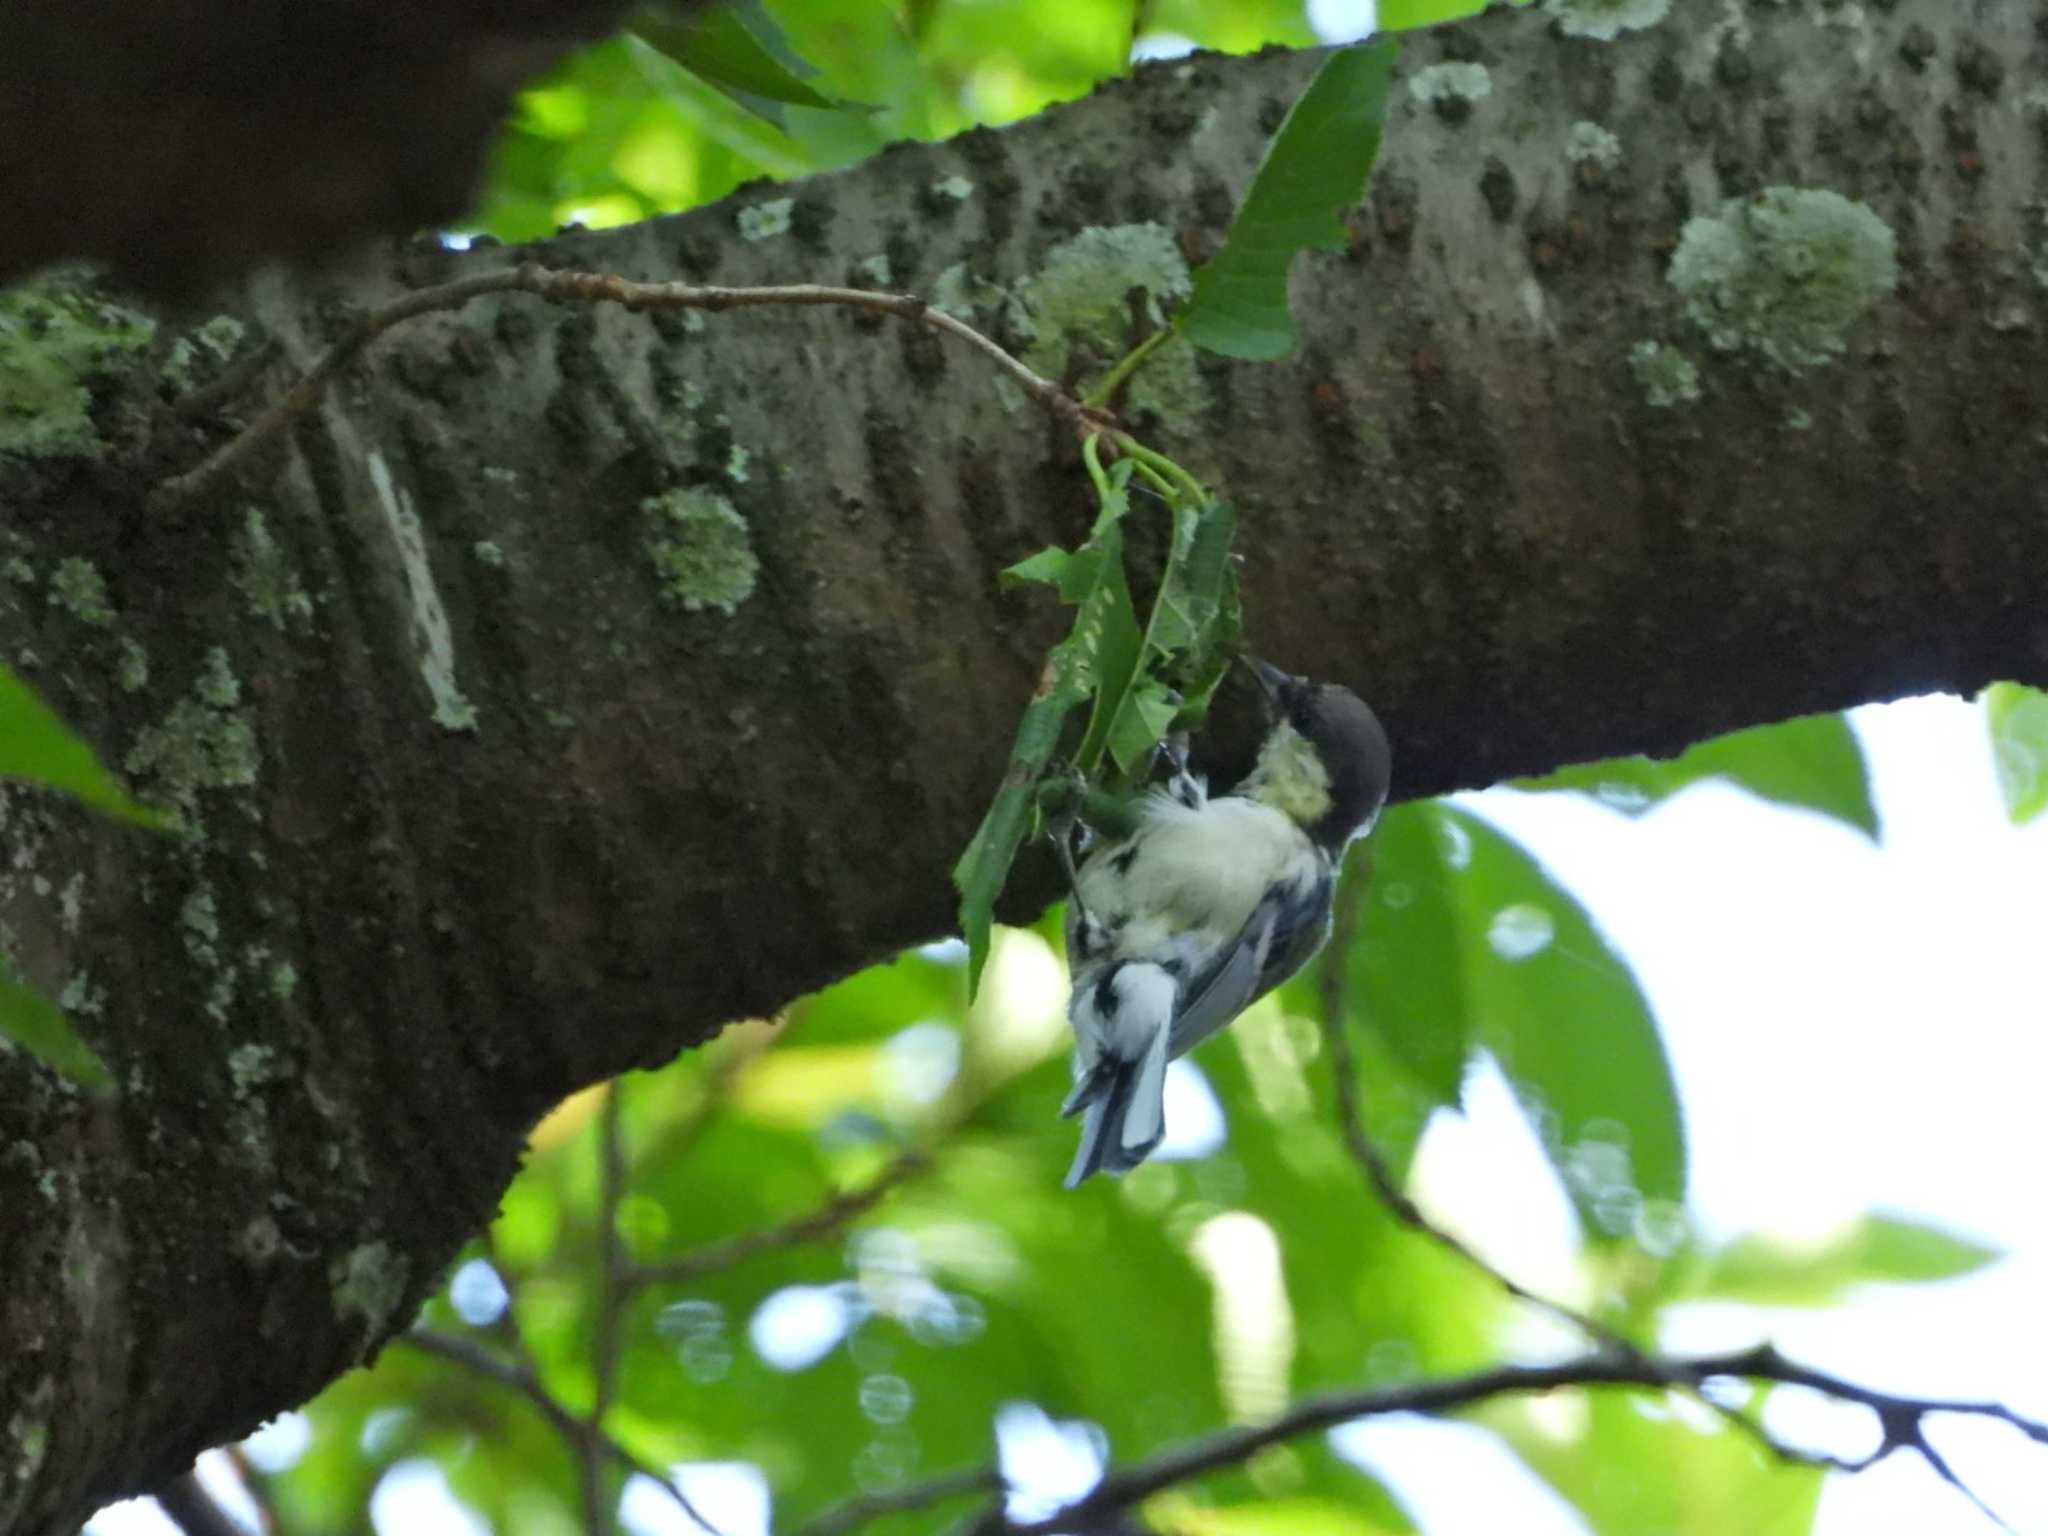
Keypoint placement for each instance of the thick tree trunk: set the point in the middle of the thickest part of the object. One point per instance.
(475, 814)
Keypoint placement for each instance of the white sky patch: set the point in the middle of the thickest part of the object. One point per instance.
(433, 641)
(1342, 21)
(732, 1495)
(1194, 1119)
(799, 1325)
(1253, 1320)
(414, 1498)
(1047, 1465)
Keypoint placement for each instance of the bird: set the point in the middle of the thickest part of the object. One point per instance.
(1207, 903)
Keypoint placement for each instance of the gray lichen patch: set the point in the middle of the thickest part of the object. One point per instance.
(55, 339)
(1605, 20)
(1077, 309)
(702, 551)
(206, 742)
(80, 590)
(260, 571)
(201, 352)
(1785, 273)
(764, 221)
(1666, 375)
(1587, 143)
(368, 1283)
(1452, 81)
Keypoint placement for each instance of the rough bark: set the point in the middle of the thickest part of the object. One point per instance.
(1455, 496)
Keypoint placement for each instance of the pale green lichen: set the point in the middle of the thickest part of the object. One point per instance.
(763, 221)
(736, 463)
(217, 683)
(18, 571)
(702, 551)
(1605, 20)
(959, 293)
(205, 742)
(454, 712)
(81, 999)
(199, 917)
(488, 553)
(251, 1065)
(284, 980)
(1078, 306)
(263, 575)
(1666, 375)
(877, 269)
(1450, 82)
(958, 188)
(1784, 273)
(132, 672)
(77, 587)
(202, 351)
(1589, 144)
(368, 1282)
(55, 338)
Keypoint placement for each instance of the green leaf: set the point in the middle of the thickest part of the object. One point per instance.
(38, 748)
(1630, 1464)
(2018, 719)
(1562, 1012)
(1401, 15)
(1315, 169)
(1405, 980)
(1814, 762)
(1876, 1248)
(1097, 658)
(37, 1025)
(717, 44)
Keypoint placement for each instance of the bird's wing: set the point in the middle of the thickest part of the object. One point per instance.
(1275, 942)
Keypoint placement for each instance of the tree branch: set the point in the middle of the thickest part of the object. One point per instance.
(566, 287)
(193, 1510)
(527, 1383)
(835, 1213)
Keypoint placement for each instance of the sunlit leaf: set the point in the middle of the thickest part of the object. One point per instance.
(2018, 720)
(1562, 1012)
(1814, 762)
(1637, 1462)
(1771, 1272)
(724, 44)
(1315, 169)
(1178, 1515)
(38, 748)
(38, 1026)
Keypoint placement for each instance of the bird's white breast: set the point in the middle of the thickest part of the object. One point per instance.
(1195, 875)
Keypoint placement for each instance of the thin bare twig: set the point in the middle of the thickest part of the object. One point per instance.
(854, 1513)
(611, 1303)
(228, 386)
(822, 1222)
(527, 1383)
(1366, 1153)
(568, 287)
(1901, 1421)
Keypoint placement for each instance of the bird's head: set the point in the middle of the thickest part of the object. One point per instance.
(1324, 762)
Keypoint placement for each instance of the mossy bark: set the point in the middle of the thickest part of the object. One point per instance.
(467, 830)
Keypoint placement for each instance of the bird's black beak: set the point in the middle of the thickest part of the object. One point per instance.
(1273, 682)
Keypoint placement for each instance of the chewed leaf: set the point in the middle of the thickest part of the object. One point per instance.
(1315, 169)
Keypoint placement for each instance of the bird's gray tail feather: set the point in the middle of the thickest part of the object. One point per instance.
(1126, 1104)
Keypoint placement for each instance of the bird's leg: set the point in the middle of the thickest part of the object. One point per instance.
(1182, 785)
(1061, 822)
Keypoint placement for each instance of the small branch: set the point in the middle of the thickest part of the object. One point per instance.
(1901, 1420)
(524, 1381)
(589, 288)
(237, 376)
(611, 1301)
(1366, 1153)
(854, 1513)
(193, 1510)
(826, 1219)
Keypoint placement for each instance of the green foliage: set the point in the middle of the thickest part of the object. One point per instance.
(734, 47)
(56, 338)
(1139, 683)
(2017, 717)
(36, 747)
(1813, 763)
(1873, 1249)
(32, 1021)
(1315, 170)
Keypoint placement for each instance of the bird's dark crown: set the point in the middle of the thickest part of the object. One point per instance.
(1349, 746)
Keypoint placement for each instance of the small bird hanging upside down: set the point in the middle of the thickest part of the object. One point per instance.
(1209, 904)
